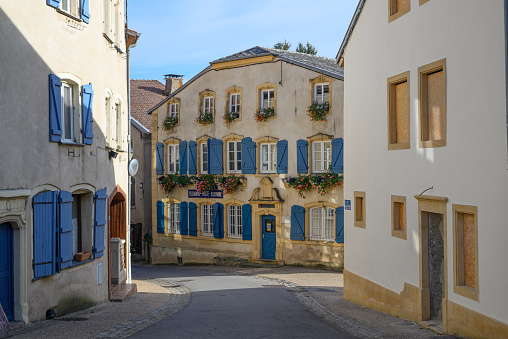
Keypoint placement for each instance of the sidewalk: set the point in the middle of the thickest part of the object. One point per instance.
(320, 291)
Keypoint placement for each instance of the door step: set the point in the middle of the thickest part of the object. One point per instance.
(434, 325)
(124, 293)
(264, 263)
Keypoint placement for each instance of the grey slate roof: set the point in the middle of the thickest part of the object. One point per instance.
(326, 66)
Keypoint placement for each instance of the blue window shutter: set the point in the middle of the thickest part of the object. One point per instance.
(282, 156)
(193, 225)
(302, 165)
(99, 246)
(65, 230)
(337, 155)
(55, 108)
(160, 217)
(218, 220)
(215, 156)
(192, 157)
(184, 229)
(183, 157)
(339, 224)
(53, 3)
(297, 223)
(87, 114)
(248, 156)
(159, 158)
(44, 213)
(85, 12)
(247, 222)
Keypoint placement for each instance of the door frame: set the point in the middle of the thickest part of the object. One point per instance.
(265, 216)
(257, 214)
(10, 235)
(430, 204)
(111, 198)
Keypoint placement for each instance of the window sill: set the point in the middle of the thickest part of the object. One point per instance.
(79, 263)
(118, 49)
(69, 15)
(466, 291)
(107, 38)
(70, 143)
(399, 146)
(119, 150)
(269, 174)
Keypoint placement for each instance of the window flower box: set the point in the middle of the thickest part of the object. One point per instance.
(317, 112)
(263, 114)
(229, 117)
(169, 123)
(204, 119)
(82, 256)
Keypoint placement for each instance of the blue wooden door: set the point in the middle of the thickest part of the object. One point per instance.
(6, 284)
(268, 237)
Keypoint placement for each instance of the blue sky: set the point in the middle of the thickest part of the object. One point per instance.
(182, 37)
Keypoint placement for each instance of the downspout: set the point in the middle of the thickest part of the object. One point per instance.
(506, 70)
(129, 276)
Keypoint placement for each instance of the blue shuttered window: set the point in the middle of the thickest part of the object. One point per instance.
(65, 231)
(337, 155)
(282, 156)
(247, 222)
(53, 3)
(218, 220)
(214, 156)
(183, 157)
(44, 213)
(248, 156)
(339, 224)
(160, 217)
(87, 114)
(55, 108)
(85, 12)
(192, 157)
(297, 223)
(159, 158)
(302, 164)
(184, 229)
(193, 224)
(99, 246)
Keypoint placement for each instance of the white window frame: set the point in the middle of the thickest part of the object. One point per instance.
(321, 223)
(271, 161)
(234, 105)
(271, 99)
(64, 112)
(208, 108)
(325, 154)
(234, 221)
(173, 157)
(119, 122)
(173, 218)
(107, 17)
(117, 24)
(70, 4)
(207, 220)
(173, 110)
(234, 156)
(109, 130)
(322, 96)
(203, 159)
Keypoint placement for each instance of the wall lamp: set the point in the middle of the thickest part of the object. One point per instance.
(113, 154)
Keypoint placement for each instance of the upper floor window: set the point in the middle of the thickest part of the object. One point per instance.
(109, 129)
(204, 157)
(173, 110)
(398, 112)
(112, 21)
(322, 93)
(234, 103)
(268, 157)
(70, 6)
(397, 8)
(322, 223)
(267, 98)
(321, 156)
(173, 158)
(206, 220)
(70, 115)
(234, 221)
(119, 124)
(208, 105)
(173, 218)
(234, 156)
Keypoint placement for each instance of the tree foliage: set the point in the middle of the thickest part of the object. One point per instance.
(307, 48)
(284, 45)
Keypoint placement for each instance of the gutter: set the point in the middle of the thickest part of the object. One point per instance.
(139, 126)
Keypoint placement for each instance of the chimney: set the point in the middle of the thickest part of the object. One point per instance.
(173, 82)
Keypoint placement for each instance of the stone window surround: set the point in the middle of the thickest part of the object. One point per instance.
(402, 232)
(392, 121)
(229, 91)
(319, 80)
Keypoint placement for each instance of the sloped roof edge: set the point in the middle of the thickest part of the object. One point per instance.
(139, 126)
(349, 31)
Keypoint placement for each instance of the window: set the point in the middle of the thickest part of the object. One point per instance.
(234, 157)
(119, 133)
(70, 6)
(204, 157)
(465, 251)
(117, 33)
(133, 192)
(208, 105)
(322, 223)
(321, 93)
(109, 130)
(234, 103)
(206, 220)
(432, 104)
(174, 218)
(107, 17)
(235, 221)
(82, 223)
(173, 158)
(399, 217)
(268, 156)
(359, 209)
(321, 156)
(267, 98)
(398, 111)
(172, 110)
(71, 112)
(397, 8)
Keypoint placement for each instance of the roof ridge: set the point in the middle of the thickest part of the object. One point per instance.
(294, 52)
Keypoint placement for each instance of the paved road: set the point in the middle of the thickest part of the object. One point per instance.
(232, 306)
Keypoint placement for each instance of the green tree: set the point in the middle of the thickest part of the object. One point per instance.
(284, 45)
(307, 48)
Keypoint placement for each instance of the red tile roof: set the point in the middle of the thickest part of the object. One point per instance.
(145, 94)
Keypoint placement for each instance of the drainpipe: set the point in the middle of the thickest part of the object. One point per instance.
(129, 276)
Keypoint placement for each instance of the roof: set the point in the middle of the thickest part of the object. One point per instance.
(139, 127)
(349, 31)
(144, 95)
(326, 66)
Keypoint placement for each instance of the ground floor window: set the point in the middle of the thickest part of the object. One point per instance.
(206, 220)
(173, 218)
(321, 223)
(234, 221)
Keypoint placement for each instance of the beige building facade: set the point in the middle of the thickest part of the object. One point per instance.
(264, 218)
(426, 86)
(64, 142)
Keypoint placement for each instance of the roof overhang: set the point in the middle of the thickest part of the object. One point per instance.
(132, 38)
(356, 15)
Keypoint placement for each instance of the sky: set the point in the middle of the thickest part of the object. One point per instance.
(182, 37)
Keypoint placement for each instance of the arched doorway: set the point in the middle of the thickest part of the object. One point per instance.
(117, 212)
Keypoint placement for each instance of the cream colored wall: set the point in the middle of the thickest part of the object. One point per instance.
(291, 124)
(470, 169)
(38, 40)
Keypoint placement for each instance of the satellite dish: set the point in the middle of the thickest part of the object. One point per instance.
(133, 167)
